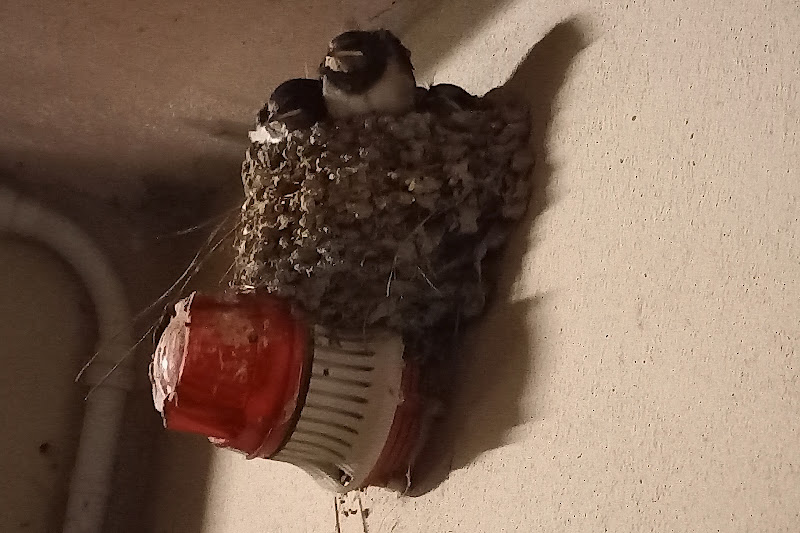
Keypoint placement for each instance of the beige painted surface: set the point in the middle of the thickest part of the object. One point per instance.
(642, 367)
(47, 328)
(131, 118)
(639, 371)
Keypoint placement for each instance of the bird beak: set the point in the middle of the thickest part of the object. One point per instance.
(331, 63)
(280, 117)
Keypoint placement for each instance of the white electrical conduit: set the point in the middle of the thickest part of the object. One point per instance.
(92, 474)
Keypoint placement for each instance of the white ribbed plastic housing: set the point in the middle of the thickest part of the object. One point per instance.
(353, 394)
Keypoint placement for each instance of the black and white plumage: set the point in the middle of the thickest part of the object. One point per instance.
(447, 98)
(367, 72)
(298, 103)
(420, 98)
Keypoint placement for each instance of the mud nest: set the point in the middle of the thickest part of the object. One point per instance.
(385, 221)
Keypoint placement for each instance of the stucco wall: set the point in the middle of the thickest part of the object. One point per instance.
(639, 370)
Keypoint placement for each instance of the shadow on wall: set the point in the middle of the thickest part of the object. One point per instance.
(500, 361)
(144, 236)
(418, 23)
(47, 328)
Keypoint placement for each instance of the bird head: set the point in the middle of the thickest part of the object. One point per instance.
(298, 103)
(355, 59)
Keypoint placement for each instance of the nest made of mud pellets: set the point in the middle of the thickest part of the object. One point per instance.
(384, 221)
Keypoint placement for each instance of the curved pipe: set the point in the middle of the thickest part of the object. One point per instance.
(91, 478)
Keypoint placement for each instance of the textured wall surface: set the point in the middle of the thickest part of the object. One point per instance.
(660, 282)
(100, 95)
(43, 339)
(639, 369)
(640, 372)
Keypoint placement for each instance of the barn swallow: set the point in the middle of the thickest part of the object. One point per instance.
(447, 98)
(297, 104)
(420, 98)
(367, 72)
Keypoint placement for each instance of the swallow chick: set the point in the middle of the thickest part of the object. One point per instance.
(420, 98)
(448, 98)
(295, 104)
(367, 72)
